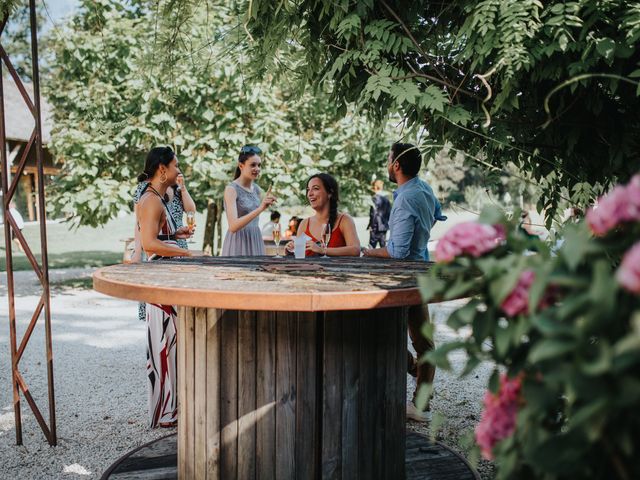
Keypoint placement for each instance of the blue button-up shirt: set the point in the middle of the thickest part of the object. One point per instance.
(415, 210)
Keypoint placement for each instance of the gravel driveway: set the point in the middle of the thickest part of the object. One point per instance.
(99, 359)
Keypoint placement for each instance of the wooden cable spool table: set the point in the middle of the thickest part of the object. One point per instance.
(286, 368)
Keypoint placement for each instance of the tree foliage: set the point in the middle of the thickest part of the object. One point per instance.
(551, 86)
(17, 38)
(114, 100)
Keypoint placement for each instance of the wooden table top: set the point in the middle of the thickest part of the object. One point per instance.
(267, 283)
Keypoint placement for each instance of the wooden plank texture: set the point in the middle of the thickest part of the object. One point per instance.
(229, 396)
(213, 375)
(293, 394)
(189, 403)
(247, 395)
(266, 395)
(285, 394)
(267, 284)
(332, 397)
(366, 406)
(306, 409)
(351, 327)
(200, 394)
(182, 389)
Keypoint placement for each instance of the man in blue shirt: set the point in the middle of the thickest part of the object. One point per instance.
(415, 210)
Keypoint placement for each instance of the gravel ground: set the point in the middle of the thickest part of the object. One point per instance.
(100, 386)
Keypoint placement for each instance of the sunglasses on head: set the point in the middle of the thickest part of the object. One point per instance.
(250, 149)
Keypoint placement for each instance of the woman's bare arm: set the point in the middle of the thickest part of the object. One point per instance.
(238, 223)
(352, 249)
(149, 213)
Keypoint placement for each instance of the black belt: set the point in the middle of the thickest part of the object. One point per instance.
(166, 237)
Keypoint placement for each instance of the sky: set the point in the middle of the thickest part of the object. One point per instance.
(57, 9)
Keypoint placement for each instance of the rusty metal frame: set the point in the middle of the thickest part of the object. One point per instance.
(41, 269)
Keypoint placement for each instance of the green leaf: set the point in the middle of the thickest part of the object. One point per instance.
(439, 356)
(539, 286)
(470, 366)
(491, 216)
(601, 362)
(433, 99)
(550, 326)
(550, 348)
(494, 381)
(423, 396)
(463, 316)
(427, 330)
(483, 324)
(606, 47)
(458, 115)
(587, 412)
(502, 286)
(602, 291)
(503, 338)
(461, 288)
(405, 92)
(576, 245)
(430, 286)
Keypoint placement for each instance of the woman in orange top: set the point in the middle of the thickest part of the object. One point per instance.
(323, 196)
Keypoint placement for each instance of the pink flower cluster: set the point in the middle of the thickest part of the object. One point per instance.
(517, 302)
(469, 238)
(498, 420)
(628, 274)
(620, 205)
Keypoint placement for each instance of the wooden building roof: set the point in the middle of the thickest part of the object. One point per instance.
(18, 120)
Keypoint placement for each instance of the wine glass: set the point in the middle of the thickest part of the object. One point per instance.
(276, 238)
(191, 222)
(325, 237)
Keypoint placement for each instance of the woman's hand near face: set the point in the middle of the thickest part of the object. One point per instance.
(180, 180)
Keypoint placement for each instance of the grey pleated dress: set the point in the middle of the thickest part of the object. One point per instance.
(248, 241)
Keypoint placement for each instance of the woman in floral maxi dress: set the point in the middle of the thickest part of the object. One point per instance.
(159, 234)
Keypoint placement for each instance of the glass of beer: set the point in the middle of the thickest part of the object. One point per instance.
(191, 222)
(276, 238)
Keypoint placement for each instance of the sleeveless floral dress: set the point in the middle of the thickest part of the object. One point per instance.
(161, 320)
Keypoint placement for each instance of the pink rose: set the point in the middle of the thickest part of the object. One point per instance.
(498, 420)
(469, 238)
(517, 302)
(620, 205)
(628, 274)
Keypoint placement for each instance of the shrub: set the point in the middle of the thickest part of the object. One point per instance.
(565, 326)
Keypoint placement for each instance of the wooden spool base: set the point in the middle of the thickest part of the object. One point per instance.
(423, 461)
(297, 395)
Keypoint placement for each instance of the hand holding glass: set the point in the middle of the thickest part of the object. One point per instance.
(191, 222)
(325, 237)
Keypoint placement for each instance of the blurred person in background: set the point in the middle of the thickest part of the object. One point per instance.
(379, 214)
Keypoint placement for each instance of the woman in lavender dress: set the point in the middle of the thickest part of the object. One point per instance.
(243, 204)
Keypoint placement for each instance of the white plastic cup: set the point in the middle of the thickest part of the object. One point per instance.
(299, 246)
